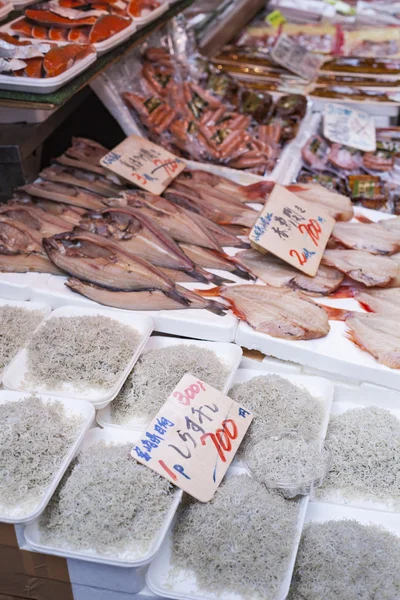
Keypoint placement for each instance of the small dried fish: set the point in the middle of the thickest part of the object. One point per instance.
(275, 272)
(361, 266)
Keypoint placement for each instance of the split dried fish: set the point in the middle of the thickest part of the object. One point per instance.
(336, 205)
(361, 266)
(63, 193)
(379, 335)
(372, 237)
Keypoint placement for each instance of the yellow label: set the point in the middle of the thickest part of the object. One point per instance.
(275, 18)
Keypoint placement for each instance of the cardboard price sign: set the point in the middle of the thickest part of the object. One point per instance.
(296, 58)
(293, 229)
(194, 437)
(143, 163)
(350, 127)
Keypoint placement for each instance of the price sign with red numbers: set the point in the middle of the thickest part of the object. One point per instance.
(143, 163)
(194, 437)
(293, 229)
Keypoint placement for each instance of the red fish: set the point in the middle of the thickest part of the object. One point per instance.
(58, 35)
(12, 40)
(59, 59)
(106, 26)
(33, 67)
(23, 27)
(79, 36)
(40, 33)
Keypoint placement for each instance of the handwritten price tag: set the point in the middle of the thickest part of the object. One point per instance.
(296, 58)
(194, 437)
(143, 163)
(293, 229)
(350, 127)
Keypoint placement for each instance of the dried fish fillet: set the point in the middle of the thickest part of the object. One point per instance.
(371, 237)
(386, 301)
(275, 272)
(336, 205)
(361, 266)
(379, 335)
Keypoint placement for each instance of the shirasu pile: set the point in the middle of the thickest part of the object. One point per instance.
(278, 404)
(16, 326)
(157, 373)
(107, 503)
(288, 461)
(239, 542)
(345, 560)
(365, 446)
(34, 439)
(89, 351)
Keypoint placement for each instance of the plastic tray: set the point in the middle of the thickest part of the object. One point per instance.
(230, 354)
(32, 532)
(337, 497)
(72, 407)
(45, 308)
(101, 47)
(45, 85)
(157, 12)
(15, 373)
(193, 323)
(183, 586)
(5, 10)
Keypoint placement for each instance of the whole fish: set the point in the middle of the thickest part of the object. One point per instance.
(361, 266)
(100, 186)
(142, 300)
(379, 335)
(372, 237)
(336, 205)
(278, 312)
(179, 224)
(256, 192)
(100, 263)
(137, 234)
(63, 193)
(210, 259)
(275, 272)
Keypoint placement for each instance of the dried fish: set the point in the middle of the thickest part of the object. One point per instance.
(209, 259)
(378, 335)
(277, 312)
(275, 272)
(336, 205)
(372, 237)
(87, 181)
(256, 192)
(361, 266)
(386, 301)
(63, 193)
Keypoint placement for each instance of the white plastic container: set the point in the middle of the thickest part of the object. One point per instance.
(29, 512)
(32, 532)
(17, 370)
(18, 286)
(45, 85)
(182, 584)
(157, 12)
(5, 10)
(336, 496)
(44, 308)
(229, 354)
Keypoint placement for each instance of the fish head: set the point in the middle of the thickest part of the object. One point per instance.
(13, 239)
(74, 245)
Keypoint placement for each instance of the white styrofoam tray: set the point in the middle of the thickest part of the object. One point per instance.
(194, 323)
(29, 511)
(46, 85)
(321, 389)
(100, 397)
(337, 496)
(44, 308)
(229, 354)
(6, 9)
(136, 558)
(157, 12)
(101, 47)
(18, 286)
(182, 585)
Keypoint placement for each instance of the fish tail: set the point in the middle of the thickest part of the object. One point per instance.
(362, 219)
(177, 296)
(216, 291)
(296, 188)
(243, 274)
(259, 189)
(216, 308)
(337, 314)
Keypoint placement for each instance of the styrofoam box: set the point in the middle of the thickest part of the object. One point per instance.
(101, 47)
(82, 592)
(229, 354)
(195, 323)
(136, 557)
(15, 374)
(44, 308)
(182, 584)
(107, 577)
(321, 389)
(337, 496)
(46, 85)
(18, 286)
(28, 511)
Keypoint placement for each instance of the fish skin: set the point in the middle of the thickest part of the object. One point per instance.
(221, 234)
(137, 234)
(361, 266)
(391, 224)
(89, 257)
(65, 194)
(27, 262)
(276, 273)
(372, 238)
(256, 192)
(77, 163)
(379, 335)
(385, 301)
(280, 313)
(35, 218)
(142, 300)
(336, 205)
(212, 260)
(58, 174)
(177, 222)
